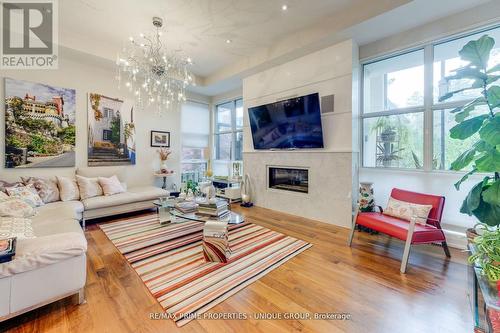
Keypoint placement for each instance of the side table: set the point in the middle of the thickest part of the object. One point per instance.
(164, 176)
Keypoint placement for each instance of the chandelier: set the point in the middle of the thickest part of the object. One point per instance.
(153, 75)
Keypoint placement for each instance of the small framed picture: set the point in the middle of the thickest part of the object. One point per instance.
(160, 139)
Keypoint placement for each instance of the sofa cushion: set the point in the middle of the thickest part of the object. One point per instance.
(60, 210)
(398, 228)
(43, 251)
(134, 194)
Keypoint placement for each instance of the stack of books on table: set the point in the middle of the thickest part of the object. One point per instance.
(186, 207)
(219, 209)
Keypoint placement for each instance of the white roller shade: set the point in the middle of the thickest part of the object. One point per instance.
(195, 125)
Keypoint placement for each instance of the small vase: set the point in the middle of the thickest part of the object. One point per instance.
(366, 201)
(163, 166)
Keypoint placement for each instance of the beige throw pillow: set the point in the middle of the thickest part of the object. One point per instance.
(68, 189)
(111, 185)
(89, 187)
(16, 208)
(407, 210)
(46, 188)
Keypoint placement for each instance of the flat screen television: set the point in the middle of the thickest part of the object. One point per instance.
(294, 123)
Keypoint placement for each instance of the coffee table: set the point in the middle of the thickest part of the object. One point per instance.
(231, 218)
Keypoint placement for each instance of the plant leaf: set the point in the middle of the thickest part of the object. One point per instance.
(469, 72)
(493, 94)
(474, 103)
(492, 194)
(487, 213)
(489, 162)
(467, 127)
(494, 69)
(474, 197)
(492, 78)
(464, 178)
(490, 132)
(478, 51)
(464, 159)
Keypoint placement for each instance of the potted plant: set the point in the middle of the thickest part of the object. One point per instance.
(480, 116)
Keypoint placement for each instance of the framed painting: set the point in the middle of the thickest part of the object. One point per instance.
(160, 139)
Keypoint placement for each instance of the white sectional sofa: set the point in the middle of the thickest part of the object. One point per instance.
(52, 266)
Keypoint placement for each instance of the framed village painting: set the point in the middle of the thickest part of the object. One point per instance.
(40, 127)
(111, 131)
(160, 139)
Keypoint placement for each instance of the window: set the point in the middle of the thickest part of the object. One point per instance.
(403, 123)
(108, 113)
(195, 130)
(393, 112)
(228, 131)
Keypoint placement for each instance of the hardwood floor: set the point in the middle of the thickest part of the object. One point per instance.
(362, 281)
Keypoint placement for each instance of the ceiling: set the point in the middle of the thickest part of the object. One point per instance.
(260, 30)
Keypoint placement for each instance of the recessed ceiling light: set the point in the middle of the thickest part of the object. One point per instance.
(228, 41)
(284, 7)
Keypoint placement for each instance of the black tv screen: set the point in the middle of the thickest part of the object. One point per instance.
(290, 124)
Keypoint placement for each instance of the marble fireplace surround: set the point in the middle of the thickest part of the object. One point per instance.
(329, 197)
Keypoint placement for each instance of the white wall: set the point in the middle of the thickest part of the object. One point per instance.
(91, 76)
(328, 71)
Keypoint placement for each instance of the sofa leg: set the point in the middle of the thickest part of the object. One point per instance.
(404, 260)
(446, 249)
(81, 296)
(353, 228)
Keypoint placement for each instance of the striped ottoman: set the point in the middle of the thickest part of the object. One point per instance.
(215, 241)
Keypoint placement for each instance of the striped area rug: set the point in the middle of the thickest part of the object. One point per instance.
(169, 260)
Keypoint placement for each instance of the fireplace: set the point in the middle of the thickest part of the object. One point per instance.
(288, 179)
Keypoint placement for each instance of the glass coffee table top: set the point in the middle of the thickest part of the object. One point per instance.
(231, 218)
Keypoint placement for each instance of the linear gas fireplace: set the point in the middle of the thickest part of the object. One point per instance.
(289, 179)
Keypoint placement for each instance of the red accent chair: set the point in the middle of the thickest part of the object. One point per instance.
(408, 231)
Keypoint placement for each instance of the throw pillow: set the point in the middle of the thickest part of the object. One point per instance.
(68, 189)
(46, 188)
(406, 210)
(4, 185)
(26, 193)
(89, 187)
(111, 185)
(16, 227)
(16, 208)
(4, 196)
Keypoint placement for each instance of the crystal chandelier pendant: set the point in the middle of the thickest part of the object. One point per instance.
(154, 75)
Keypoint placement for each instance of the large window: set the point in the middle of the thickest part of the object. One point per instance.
(403, 123)
(228, 131)
(195, 128)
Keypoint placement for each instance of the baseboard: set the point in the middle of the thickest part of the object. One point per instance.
(456, 239)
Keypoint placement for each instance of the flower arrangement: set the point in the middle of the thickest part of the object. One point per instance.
(163, 153)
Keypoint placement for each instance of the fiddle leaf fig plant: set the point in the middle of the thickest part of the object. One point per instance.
(480, 116)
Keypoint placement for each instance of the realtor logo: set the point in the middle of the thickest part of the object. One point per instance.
(29, 34)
